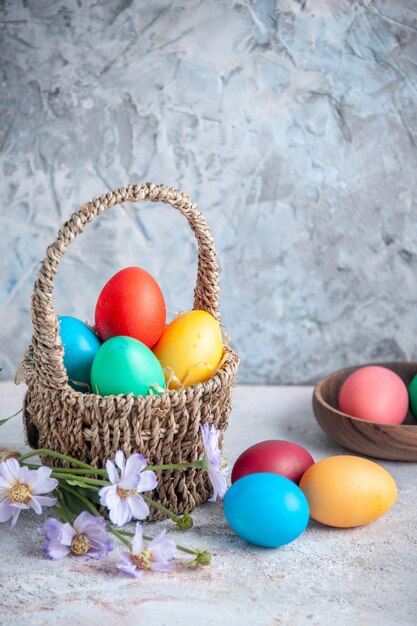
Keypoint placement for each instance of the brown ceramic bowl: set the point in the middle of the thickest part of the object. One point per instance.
(383, 441)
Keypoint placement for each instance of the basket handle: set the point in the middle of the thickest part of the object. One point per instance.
(47, 347)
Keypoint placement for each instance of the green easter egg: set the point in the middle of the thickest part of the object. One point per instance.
(412, 392)
(124, 365)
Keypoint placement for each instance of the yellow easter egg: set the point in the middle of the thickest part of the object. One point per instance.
(191, 347)
(346, 491)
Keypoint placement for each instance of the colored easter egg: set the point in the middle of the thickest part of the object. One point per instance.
(266, 509)
(273, 456)
(80, 345)
(412, 392)
(131, 304)
(346, 491)
(191, 347)
(376, 394)
(125, 365)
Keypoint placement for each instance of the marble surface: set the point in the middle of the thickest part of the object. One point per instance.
(360, 577)
(292, 123)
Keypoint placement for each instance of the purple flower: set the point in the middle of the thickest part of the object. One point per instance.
(213, 458)
(21, 488)
(122, 497)
(86, 539)
(156, 556)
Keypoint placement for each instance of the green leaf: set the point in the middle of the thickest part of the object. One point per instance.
(74, 504)
(74, 482)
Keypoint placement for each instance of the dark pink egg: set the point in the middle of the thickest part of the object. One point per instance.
(274, 456)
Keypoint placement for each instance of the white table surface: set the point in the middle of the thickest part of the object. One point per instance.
(357, 577)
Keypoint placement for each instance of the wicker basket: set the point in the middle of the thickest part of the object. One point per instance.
(165, 428)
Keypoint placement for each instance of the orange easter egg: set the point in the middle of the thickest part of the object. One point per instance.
(346, 491)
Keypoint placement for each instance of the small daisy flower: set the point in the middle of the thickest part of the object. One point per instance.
(156, 556)
(122, 497)
(21, 488)
(87, 538)
(213, 458)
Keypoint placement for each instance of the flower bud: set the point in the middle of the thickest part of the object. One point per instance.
(185, 522)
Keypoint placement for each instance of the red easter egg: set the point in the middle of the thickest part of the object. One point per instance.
(273, 456)
(131, 304)
(375, 394)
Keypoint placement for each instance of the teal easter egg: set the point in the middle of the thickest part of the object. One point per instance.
(266, 509)
(80, 347)
(125, 365)
(412, 392)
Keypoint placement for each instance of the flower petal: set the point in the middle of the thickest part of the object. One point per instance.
(55, 550)
(20, 505)
(135, 463)
(163, 550)
(120, 514)
(137, 541)
(219, 484)
(100, 547)
(125, 565)
(46, 500)
(36, 502)
(67, 534)
(160, 567)
(6, 510)
(138, 507)
(4, 484)
(112, 472)
(51, 528)
(10, 471)
(87, 521)
(16, 513)
(159, 538)
(120, 460)
(130, 481)
(148, 481)
(210, 436)
(40, 480)
(109, 496)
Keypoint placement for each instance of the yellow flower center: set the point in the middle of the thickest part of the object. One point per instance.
(80, 545)
(143, 559)
(125, 493)
(21, 493)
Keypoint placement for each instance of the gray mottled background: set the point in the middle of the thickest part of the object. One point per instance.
(292, 124)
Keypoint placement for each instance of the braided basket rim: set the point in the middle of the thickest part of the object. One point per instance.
(229, 367)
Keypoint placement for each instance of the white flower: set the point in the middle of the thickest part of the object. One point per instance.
(21, 488)
(156, 556)
(122, 497)
(213, 459)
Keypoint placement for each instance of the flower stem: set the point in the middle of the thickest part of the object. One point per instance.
(162, 508)
(119, 534)
(184, 549)
(69, 470)
(6, 419)
(82, 479)
(200, 464)
(56, 455)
